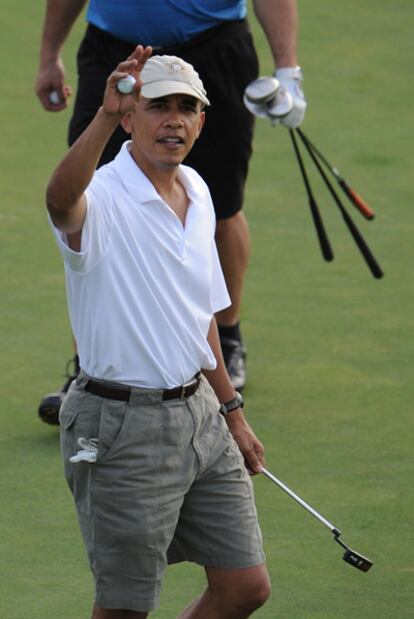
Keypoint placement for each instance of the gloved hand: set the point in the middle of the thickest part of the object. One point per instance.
(289, 95)
(279, 98)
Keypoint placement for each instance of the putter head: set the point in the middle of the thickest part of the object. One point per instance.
(353, 558)
(356, 560)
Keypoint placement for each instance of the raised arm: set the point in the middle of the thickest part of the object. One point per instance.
(60, 15)
(65, 197)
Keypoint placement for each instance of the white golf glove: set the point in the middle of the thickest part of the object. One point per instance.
(88, 451)
(290, 93)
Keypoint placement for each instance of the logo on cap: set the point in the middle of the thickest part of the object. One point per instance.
(175, 67)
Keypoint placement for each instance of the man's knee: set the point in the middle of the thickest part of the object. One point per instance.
(252, 597)
(246, 590)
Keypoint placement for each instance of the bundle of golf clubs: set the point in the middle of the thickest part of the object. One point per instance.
(264, 98)
(266, 91)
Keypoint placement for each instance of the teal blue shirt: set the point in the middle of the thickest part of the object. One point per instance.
(162, 23)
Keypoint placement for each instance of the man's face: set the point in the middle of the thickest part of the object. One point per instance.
(164, 130)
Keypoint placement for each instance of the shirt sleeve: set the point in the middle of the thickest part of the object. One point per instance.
(96, 230)
(219, 296)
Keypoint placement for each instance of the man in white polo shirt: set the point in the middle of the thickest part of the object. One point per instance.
(158, 475)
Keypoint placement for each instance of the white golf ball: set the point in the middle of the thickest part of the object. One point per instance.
(54, 97)
(126, 85)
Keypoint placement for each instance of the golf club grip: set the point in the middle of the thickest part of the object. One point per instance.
(324, 244)
(362, 246)
(356, 199)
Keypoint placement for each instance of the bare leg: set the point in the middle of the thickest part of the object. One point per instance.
(230, 594)
(233, 244)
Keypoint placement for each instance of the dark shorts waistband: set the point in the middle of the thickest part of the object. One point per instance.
(216, 33)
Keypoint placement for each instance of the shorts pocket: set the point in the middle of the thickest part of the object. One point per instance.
(67, 421)
(67, 417)
(79, 417)
(112, 427)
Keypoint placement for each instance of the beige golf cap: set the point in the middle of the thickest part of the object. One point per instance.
(170, 75)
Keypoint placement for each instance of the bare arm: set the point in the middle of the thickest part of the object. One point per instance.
(60, 16)
(65, 197)
(279, 21)
(248, 443)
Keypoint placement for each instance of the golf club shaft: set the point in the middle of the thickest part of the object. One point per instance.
(317, 219)
(356, 200)
(294, 496)
(356, 235)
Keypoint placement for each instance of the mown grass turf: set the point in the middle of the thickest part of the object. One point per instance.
(330, 348)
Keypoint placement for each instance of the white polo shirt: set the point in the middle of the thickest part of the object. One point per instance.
(143, 289)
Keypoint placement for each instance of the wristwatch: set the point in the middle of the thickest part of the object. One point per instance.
(236, 402)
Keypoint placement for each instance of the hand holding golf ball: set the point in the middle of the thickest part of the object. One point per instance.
(54, 97)
(126, 85)
(123, 85)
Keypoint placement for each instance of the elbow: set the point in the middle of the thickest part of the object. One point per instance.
(54, 202)
(58, 202)
(57, 213)
(65, 203)
(51, 202)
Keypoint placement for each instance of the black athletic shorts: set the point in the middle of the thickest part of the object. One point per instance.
(226, 60)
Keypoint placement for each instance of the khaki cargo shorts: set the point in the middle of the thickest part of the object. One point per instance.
(169, 484)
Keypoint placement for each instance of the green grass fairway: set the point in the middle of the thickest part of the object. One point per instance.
(330, 349)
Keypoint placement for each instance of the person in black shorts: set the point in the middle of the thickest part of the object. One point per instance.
(222, 51)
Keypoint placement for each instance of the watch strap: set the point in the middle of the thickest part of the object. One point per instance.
(232, 405)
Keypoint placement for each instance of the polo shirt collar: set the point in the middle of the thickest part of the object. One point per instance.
(138, 184)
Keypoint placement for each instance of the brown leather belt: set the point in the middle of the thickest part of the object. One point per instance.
(124, 393)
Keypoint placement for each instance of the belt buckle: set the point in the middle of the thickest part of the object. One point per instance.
(185, 386)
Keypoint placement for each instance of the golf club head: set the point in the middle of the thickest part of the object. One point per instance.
(262, 90)
(281, 105)
(264, 98)
(353, 558)
(356, 560)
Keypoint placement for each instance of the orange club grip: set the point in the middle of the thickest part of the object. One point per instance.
(363, 207)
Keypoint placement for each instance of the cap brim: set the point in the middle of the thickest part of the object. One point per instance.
(154, 90)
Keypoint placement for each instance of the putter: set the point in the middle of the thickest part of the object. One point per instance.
(350, 556)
